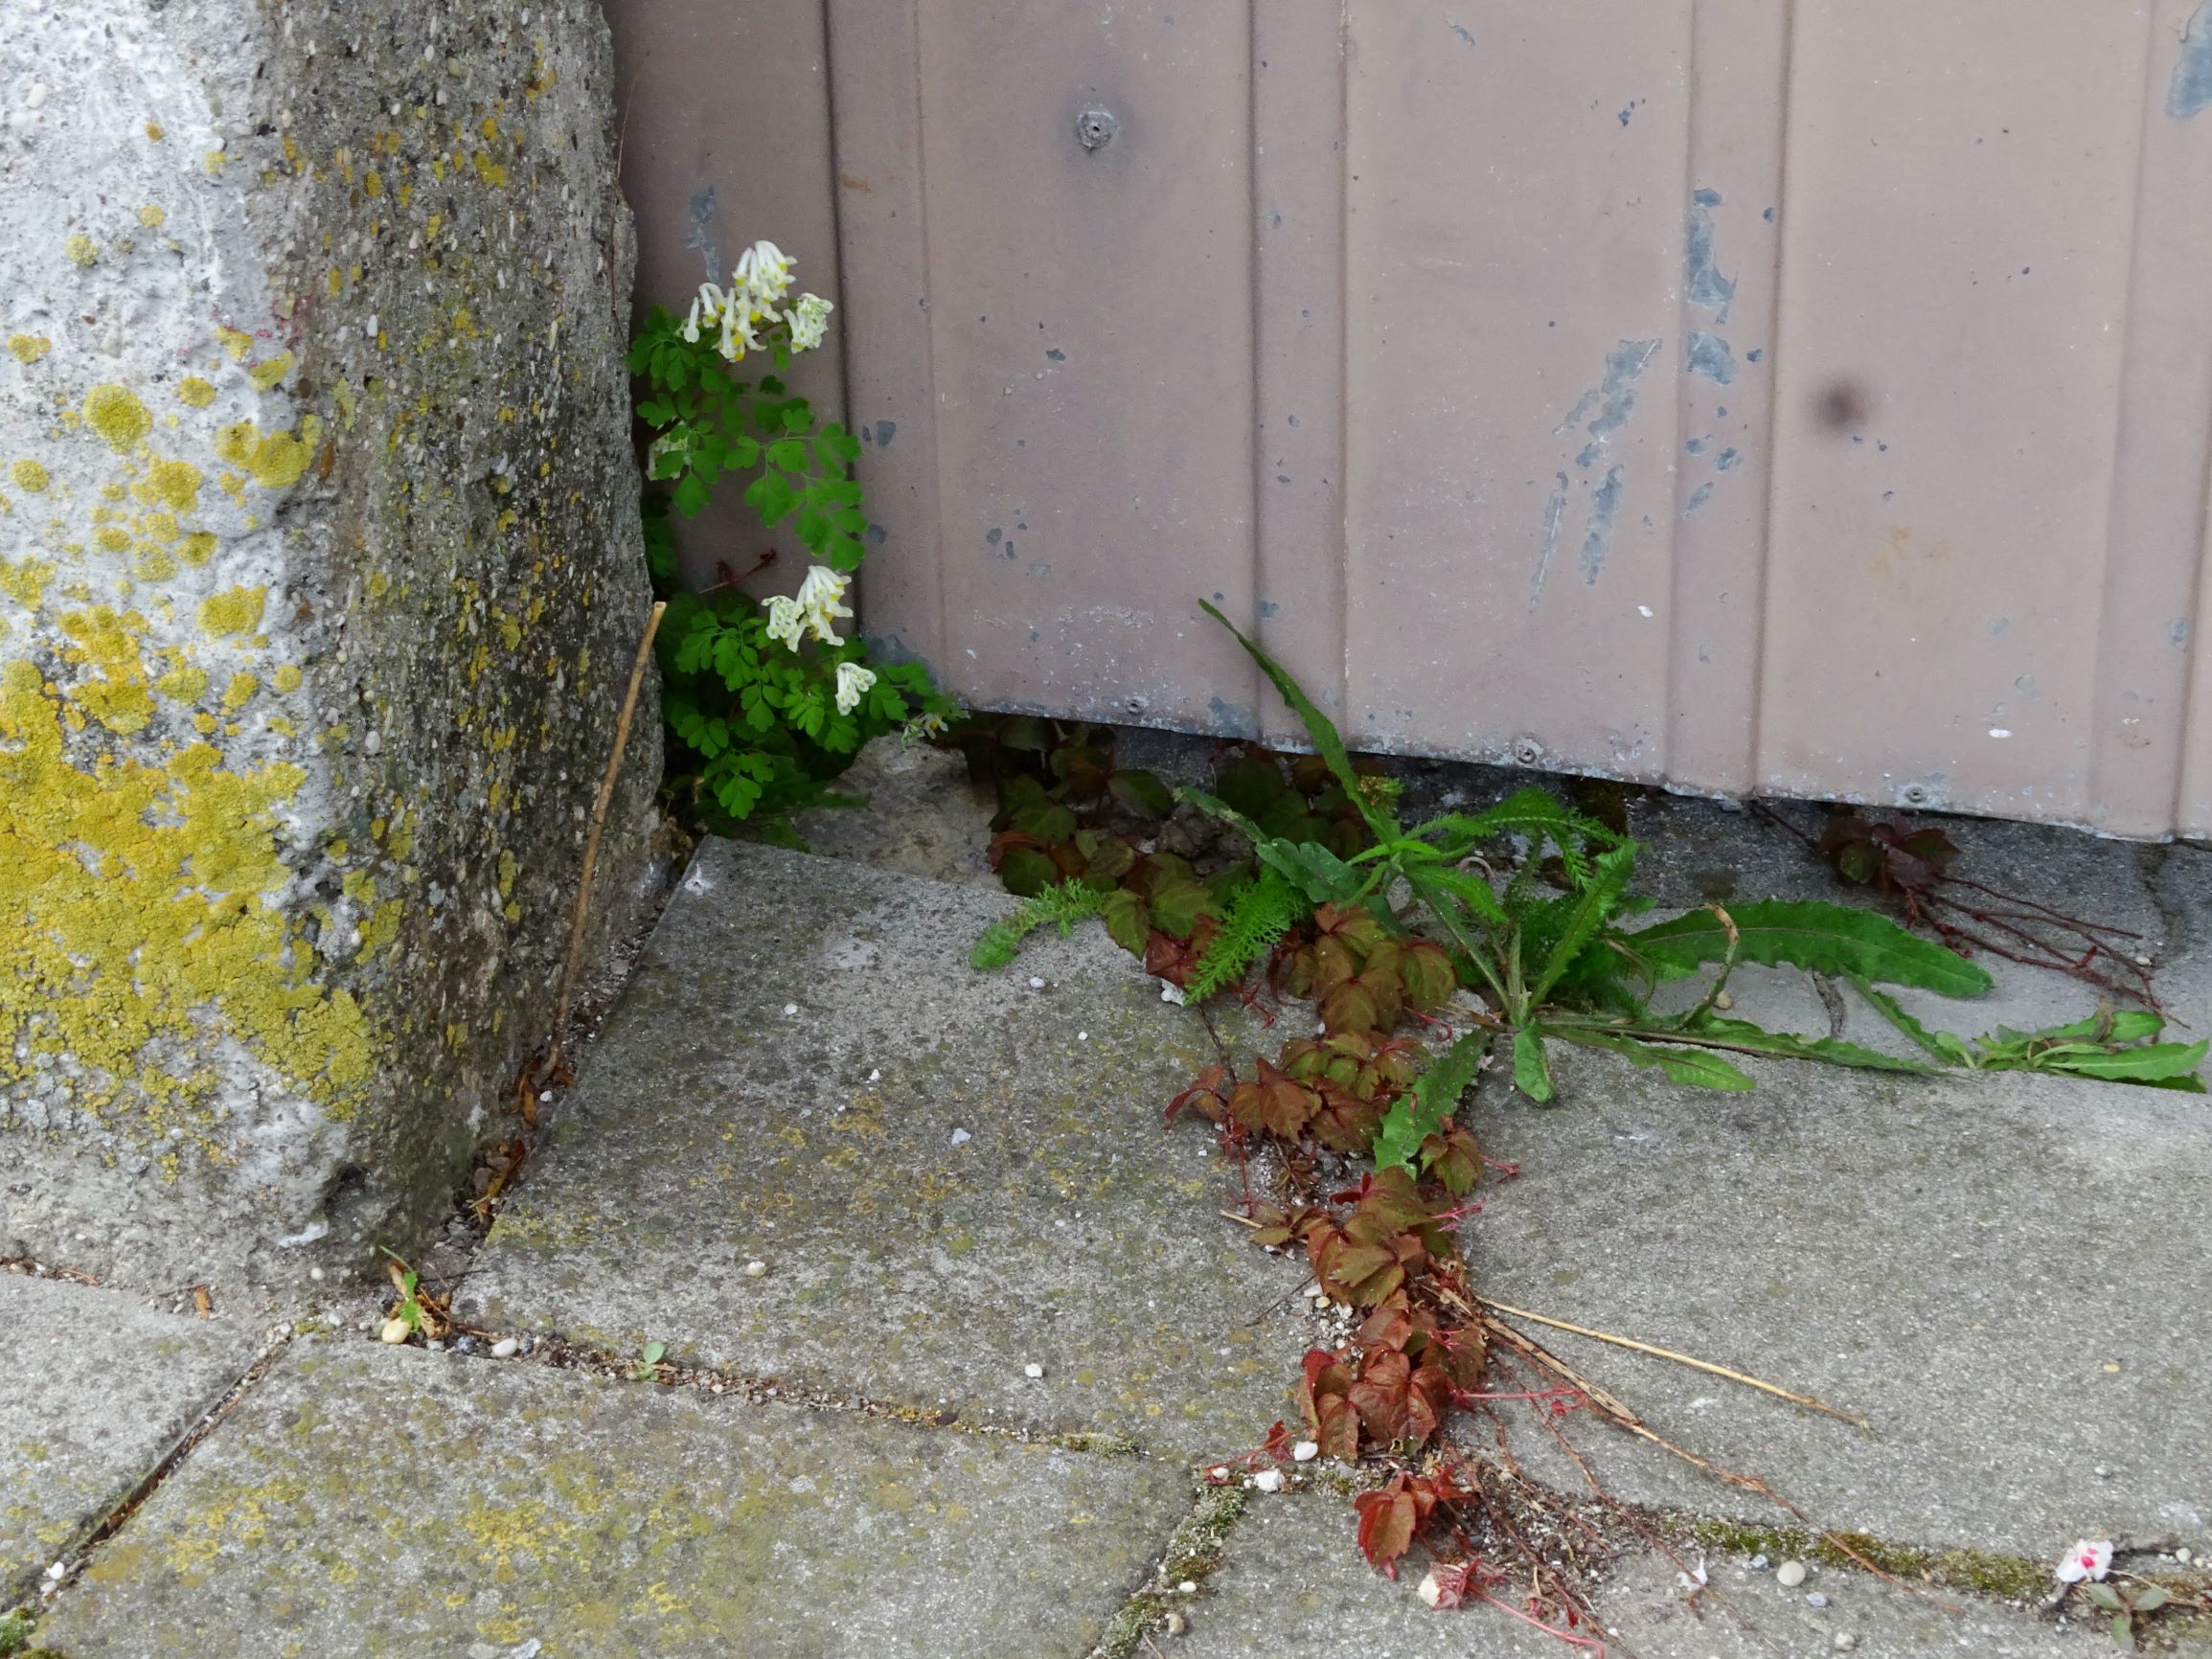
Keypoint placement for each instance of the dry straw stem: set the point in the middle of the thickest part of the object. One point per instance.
(1705, 1365)
(583, 913)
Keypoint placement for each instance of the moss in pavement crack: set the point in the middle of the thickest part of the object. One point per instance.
(1193, 1550)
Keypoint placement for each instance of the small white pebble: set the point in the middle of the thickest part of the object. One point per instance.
(2142, 962)
(790, 1009)
(1306, 1451)
(1218, 1472)
(1034, 983)
(961, 1137)
(874, 1075)
(1845, 1641)
(506, 1348)
(1176, 1623)
(1189, 1586)
(396, 1331)
(1790, 1575)
(1171, 992)
(1430, 1589)
(2183, 1557)
(1268, 1480)
(545, 1099)
(60, 1570)
(1032, 1370)
(1816, 1600)
(316, 1274)
(754, 1269)
(1082, 1037)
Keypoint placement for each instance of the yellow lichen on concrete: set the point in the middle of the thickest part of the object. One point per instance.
(266, 374)
(236, 610)
(153, 215)
(139, 902)
(29, 348)
(176, 484)
(286, 678)
(117, 415)
(24, 581)
(29, 476)
(276, 460)
(106, 640)
(194, 392)
(81, 250)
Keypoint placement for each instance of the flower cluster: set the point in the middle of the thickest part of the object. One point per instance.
(748, 306)
(820, 602)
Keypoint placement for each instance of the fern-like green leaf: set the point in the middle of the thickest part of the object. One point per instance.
(1259, 916)
(1065, 902)
(1422, 1113)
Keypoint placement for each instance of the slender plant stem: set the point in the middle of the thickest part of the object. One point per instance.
(582, 914)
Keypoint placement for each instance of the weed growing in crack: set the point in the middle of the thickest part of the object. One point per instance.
(1422, 948)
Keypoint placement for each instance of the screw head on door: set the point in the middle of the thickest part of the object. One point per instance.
(1094, 129)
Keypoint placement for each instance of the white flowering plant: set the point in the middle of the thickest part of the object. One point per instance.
(767, 701)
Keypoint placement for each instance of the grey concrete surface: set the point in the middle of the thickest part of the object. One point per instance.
(920, 814)
(1292, 1586)
(95, 1391)
(394, 1503)
(315, 417)
(2005, 1274)
(947, 1176)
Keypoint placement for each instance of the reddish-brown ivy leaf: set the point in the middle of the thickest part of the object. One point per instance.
(1391, 1517)
(1275, 1105)
(1428, 976)
(1205, 1094)
(1395, 1409)
(1454, 1158)
(1345, 1122)
(1349, 1008)
(1329, 1411)
(1360, 1274)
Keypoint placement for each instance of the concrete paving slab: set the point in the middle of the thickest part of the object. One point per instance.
(383, 1502)
(95, 1391)
(920, 814)
(1292, 1586)
(947, 1176)
(2005, 1274)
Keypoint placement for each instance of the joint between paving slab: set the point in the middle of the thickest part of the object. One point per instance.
(73, 1559)
(1193, 1551)
(557, 1353)
(26, 1268)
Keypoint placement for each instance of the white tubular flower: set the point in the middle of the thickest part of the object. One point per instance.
(784, 620)
(851, 681)
(692, 323)
(768, 272)
(810, 321)
(820, 597)
(924, 726)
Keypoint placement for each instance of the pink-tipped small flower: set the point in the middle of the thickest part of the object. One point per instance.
(2086, 1559)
